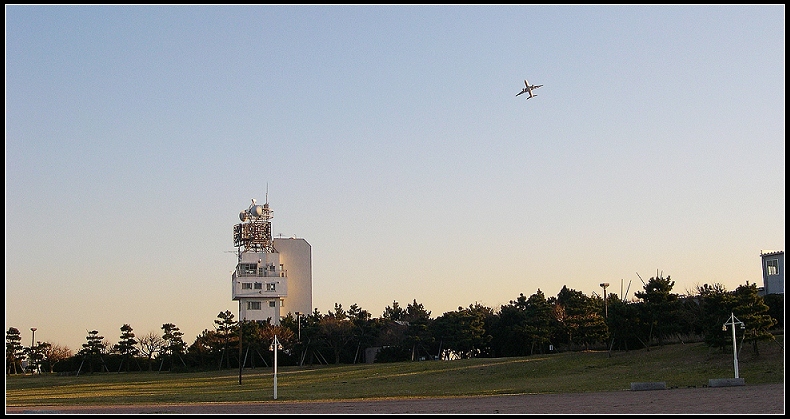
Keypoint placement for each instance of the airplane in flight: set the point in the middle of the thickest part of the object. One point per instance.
(528, 89)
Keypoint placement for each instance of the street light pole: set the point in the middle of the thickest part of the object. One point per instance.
(732, 322)
(275, 346)
(299, 319)
(605, 303)
(240, 334)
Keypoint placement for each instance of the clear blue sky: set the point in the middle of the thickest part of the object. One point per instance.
(391, 139)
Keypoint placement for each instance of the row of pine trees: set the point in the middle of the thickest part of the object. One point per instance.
(568, 321)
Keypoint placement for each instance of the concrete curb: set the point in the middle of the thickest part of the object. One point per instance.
(652, 385)
(726, 382)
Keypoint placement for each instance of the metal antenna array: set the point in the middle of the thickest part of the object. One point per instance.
(255, 231)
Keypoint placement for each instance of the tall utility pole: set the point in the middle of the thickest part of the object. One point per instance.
(240, 333)
(299, 319)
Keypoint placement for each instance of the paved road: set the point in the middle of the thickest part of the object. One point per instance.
(767, 398)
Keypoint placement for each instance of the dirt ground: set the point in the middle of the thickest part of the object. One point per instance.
(768, 398)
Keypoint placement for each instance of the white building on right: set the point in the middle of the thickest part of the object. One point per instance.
(773, 272)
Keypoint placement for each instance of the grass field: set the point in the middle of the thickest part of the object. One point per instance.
(679, 365)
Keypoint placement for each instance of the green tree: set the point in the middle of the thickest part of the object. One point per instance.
(663, 308)
(509, 336)
(391, 339)
(393, 335)
(126, 346)
(93, 349)
(206, 346)
(692, 315)
(366, 331)
(292, 322)
(593, 328)
(14, 352)
(394, 313)
(753, 312)
(312, 337)
(776, 308)
(418, 337)
(174, 345)
(337, 331)
(623, 323)
(537, 326)
(449, 330)
(250, 339)
(716, 305)
(37, 354)
(462, 332)
(578, 318)
(226, 329)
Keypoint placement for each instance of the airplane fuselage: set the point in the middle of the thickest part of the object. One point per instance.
(528, 89)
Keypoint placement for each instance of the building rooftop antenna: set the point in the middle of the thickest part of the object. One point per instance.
(254, 231)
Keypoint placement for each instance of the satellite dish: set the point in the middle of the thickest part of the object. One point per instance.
(256, 211)
(243, 216)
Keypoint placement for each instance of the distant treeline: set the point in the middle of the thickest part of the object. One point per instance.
(525, 326)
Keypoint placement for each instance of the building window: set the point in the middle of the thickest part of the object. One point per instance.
(246, 285)
(772, 267)
(253, 305)
(258, 286)
(272, 304)
(270, 286)
(248, 269)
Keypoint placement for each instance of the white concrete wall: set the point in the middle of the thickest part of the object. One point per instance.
(296, 258)
(264, 313)
(293, 291)
(774, 284)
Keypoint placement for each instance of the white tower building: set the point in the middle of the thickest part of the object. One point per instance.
(273, 277)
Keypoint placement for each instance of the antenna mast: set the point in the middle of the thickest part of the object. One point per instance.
(255, 231)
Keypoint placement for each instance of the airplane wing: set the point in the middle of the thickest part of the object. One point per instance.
(528, 89)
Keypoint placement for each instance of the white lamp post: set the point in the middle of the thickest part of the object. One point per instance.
(275, 346)
(732, 321)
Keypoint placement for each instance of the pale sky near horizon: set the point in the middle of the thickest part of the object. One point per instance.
(390, 139)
